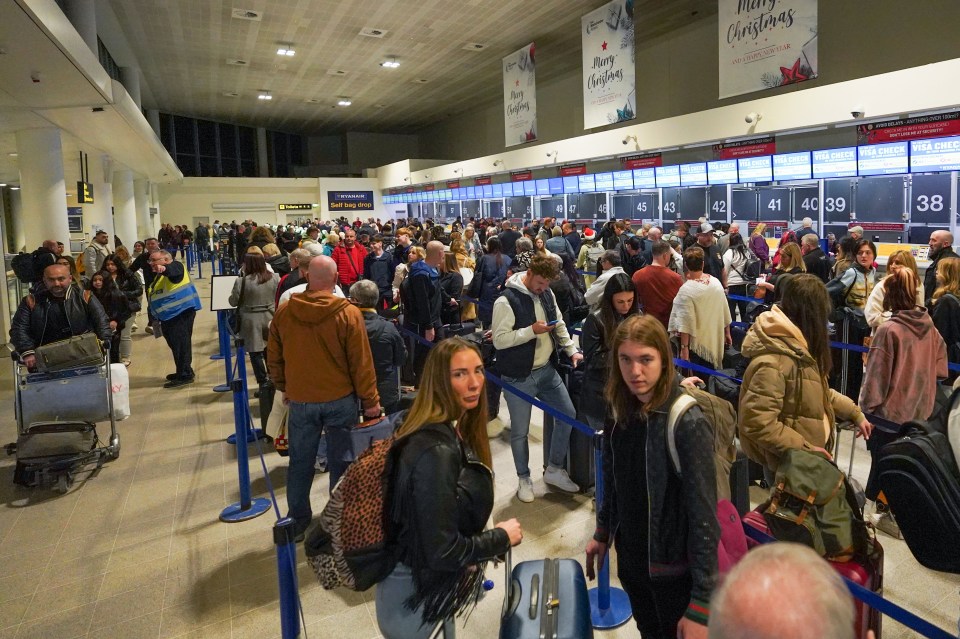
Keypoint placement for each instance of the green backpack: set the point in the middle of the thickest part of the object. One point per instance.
(814, 504)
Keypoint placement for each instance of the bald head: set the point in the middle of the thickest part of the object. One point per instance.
(322, 275)
(782, 591)
(435, 253)
(50, 245)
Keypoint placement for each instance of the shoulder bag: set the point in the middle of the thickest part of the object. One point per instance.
(233, 315)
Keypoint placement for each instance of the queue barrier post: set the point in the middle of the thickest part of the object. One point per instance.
(247, 507)
(252, 433)
(609, 606)
(199, 261)
(223, 333)
(287, 574)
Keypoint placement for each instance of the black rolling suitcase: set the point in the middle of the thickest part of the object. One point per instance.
(919, 477)
(546, 599)
(581, 466)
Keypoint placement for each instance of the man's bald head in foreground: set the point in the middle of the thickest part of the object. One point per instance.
(322, 275)
(782, 591)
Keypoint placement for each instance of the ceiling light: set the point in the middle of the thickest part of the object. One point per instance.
(2, 184)
(14, 188)
(474, 46)
(390, 63)
(231, 94)
(287, 52)
(13, 155)
(344, 102)
(264, 96)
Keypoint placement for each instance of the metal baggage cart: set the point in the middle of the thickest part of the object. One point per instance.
(82, 396)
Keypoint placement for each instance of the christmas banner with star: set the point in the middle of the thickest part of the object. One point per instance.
(766, 44)
(609, 71)
(520, 96)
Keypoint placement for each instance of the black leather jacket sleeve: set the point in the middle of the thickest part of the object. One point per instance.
(20, 335)
(607, 509)
(434, 485)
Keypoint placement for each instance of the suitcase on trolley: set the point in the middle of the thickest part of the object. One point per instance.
(868, 573)
(546, 599)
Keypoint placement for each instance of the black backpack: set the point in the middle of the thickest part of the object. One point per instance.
(28, 267)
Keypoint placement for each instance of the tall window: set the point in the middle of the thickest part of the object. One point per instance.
(203, 148)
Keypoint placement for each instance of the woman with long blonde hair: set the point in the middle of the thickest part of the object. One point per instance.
(442, 496)
(874, 310)
(945, 309)
(759, 246)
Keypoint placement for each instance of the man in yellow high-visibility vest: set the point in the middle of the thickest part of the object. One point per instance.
(174, 301)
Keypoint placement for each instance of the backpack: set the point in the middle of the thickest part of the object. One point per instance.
(352, 546)
(722, 417)
(28, 267)
(594, 255)
(814, 504)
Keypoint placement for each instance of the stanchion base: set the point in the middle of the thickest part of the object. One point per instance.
(617, 614)
(221, 388)
(253, 434)
(217, 356)
(234, 513)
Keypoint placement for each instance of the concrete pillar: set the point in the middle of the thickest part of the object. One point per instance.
(263, 164)
(130, 79)
(98, 215)
(153, 117)
(43, 192)
(141, 202)
(16, 217)
(124, 208)
(82, 14)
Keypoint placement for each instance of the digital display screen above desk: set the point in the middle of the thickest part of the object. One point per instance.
(693, 174)
(722, 172)
(832, 163)
(571, 184)
(587, 183)
(604, 182)
(623, 180)
(498, 190)
(543, 187)
(556, 185)
(792, 166)
(666, 176)
(488, 190)
(935, 155)
(759, 169)
(883, 159)
(645, 179)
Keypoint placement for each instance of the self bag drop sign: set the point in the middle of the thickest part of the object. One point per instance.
(350, 200)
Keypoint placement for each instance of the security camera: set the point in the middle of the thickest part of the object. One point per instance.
(625, 140)
(857, 113)
(752, 118)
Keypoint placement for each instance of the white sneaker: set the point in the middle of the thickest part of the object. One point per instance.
(494, 428)
(525, 491)
(558, 478)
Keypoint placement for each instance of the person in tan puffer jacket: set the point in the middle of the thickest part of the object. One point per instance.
(785, 400)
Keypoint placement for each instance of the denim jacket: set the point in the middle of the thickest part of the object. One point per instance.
(683, 528)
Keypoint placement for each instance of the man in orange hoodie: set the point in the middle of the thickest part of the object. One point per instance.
(316, 332)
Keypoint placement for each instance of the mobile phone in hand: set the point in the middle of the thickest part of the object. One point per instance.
(552, 322)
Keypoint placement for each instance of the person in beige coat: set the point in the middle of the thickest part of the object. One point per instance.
(785, 401)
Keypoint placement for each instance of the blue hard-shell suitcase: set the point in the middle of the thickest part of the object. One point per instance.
(546, 599)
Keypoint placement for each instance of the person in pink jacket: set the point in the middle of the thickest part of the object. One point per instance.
(907, 356)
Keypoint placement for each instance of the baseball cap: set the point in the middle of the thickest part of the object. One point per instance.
(855, 229)
(706, 227)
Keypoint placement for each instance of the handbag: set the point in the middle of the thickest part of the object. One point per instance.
(280, 442)
(80, 350)
(233, 315)
(838, 297)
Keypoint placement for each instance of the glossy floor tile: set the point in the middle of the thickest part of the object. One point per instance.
(136, 550)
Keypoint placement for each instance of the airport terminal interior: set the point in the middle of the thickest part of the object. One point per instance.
(125, 115)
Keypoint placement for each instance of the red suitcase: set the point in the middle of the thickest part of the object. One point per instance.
(869, 576)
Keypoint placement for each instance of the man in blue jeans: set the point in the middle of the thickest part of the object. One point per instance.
(317, 331)
(527, 331)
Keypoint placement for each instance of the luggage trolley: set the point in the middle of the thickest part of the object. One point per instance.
(56, 415)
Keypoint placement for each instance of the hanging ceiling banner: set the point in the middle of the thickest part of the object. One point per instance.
(520, 97)
(609, 71)
(766, 44)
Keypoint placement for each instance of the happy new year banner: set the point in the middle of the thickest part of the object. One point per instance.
(520, 97)
(766, 44)
(609, 72)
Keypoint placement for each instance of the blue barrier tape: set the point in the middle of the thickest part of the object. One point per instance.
(872, 599)
(681, 363)
(548, 410)
(741, 298)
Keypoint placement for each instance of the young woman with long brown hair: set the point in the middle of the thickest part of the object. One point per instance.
(441, 500)
(663, 522)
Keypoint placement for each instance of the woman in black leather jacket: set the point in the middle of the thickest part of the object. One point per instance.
(663, 521)
(442, 497)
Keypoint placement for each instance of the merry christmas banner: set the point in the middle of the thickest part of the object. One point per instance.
(766, 44)
(609, 72)
(520, 97)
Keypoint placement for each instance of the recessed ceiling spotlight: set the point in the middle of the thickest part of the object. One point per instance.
(474, 46)
(247, 14)
(380, 106)
(283, 50)
(264, 96)
(231, 94)
(390, 63)
(237, 62)
(312, 100)
(373, 32)
(344, 102)
(13, 155)
(14, 188)
(420, 81)
(337, 72)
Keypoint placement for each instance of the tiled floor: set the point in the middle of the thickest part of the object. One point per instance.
(138, 551)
